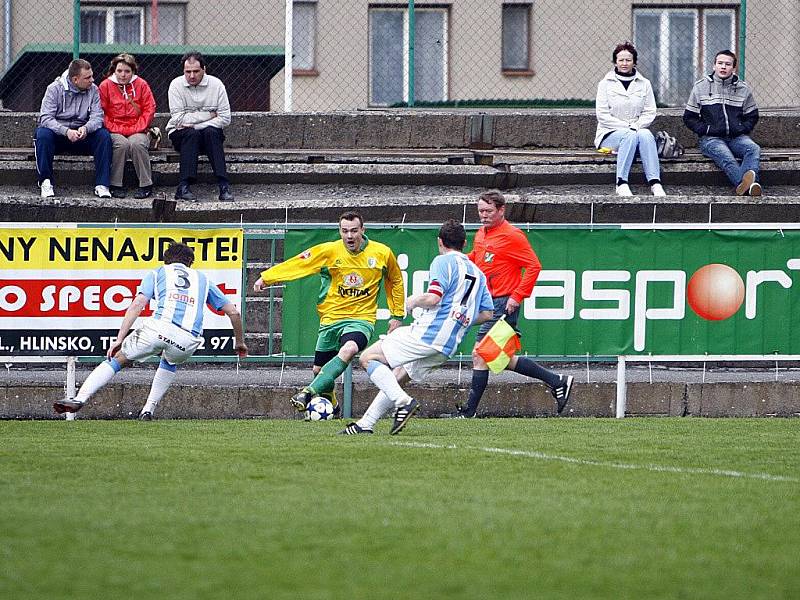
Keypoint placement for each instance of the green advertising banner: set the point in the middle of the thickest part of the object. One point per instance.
(623, 290)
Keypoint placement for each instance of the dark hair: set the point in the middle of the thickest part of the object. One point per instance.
(194, 55)
(179, 253)
(126, 58)
(494, 197)
(78, 66)
(351, 215)
(726, 53)
(453, 235)
(626, 45)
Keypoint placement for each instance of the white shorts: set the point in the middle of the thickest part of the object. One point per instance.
(156, 338)
(402, 349)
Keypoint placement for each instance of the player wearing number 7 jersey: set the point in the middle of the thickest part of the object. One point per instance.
(457, 298)
(173, 332)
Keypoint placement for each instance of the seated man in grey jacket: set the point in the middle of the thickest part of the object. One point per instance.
(71, 122)
(199, 110)
(721, 110)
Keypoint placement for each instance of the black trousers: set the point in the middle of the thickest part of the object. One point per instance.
(190, 143)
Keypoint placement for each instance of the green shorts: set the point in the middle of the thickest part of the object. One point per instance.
(328, 336)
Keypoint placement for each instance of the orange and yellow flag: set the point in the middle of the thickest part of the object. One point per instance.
(499, 344)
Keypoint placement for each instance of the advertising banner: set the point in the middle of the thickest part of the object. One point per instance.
(621, 290)
(64, 289)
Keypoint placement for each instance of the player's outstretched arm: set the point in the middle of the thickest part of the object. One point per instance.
(426, 300)
(134, 310)
(238, 331)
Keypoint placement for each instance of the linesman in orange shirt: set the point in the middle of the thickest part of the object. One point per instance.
(504, 254)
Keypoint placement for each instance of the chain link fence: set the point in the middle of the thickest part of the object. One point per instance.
(350, 54)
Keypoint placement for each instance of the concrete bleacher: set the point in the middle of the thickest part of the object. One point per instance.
(414, 166)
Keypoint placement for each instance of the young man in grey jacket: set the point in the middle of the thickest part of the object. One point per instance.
(199, 110)
(722, 111)
(71, 122)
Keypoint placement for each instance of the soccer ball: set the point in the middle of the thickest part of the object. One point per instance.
(319, 409)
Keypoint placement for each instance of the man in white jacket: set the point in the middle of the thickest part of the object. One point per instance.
(199, 111)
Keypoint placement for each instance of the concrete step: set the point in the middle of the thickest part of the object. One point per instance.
(433, 128)
(503, 172)
(255, 391)
(273, 205)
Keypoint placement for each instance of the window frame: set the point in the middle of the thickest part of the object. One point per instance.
(110, 16)
(699, 13)
(443, 9)
(313, 71)
(527, 71)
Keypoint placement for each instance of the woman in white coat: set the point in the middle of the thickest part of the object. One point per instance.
(626, 107)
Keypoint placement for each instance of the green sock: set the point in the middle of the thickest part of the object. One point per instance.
(326, 378)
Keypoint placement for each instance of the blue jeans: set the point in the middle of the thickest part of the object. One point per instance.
(98, 144)
(725, 152)
(626, 142)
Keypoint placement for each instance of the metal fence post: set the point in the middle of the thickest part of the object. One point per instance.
(621, 388)
(70, 391)
(411, 42)
(287, 58)
(742, 36)
(76, 29)
(347, 399)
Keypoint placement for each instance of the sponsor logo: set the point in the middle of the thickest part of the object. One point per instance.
(352, 280)
(463, 319)
(166, 340)
(346, 292)
(181, 297)
(714, 292)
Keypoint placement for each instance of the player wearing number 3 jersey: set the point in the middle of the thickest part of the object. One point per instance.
(174, 332)
(457, 298)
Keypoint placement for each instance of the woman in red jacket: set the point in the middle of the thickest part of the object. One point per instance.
(129, 107)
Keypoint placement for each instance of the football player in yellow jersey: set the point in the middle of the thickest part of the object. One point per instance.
(351, 271)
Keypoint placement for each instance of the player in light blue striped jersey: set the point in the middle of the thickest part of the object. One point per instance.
(174, 331)
(457, 298)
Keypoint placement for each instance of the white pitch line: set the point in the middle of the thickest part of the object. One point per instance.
(600, 463)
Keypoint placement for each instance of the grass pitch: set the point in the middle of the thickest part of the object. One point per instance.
(512, 508)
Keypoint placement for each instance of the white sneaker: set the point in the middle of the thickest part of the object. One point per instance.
(658, 190)
(102, 191)
(624, 190)
(46, 189)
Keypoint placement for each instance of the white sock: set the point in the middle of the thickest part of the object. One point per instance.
(99, 377)
(382, 376)
(377, 409)
(161, 382)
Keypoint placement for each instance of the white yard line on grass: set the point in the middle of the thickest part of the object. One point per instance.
(600, 463)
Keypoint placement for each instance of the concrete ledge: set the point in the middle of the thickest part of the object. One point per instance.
(468, 128)
(383, 207)
(219, 392)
